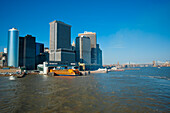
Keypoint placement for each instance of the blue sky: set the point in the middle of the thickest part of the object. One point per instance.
(127, 30)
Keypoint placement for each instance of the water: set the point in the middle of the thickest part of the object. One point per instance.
(133, 91)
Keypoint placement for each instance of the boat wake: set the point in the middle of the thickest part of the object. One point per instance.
(159, 77)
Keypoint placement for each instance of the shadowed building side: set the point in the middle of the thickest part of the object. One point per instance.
(39, 48)
(99, 55)
(27, 52)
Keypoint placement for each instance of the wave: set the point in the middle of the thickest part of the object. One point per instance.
(159, 77)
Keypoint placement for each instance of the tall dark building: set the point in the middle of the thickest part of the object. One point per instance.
(41, 56)
(99, 55)
(27, 52)
(39, 48)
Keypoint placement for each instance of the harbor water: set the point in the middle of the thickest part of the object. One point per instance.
(132, 91)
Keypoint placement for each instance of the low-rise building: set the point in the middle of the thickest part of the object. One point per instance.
(3, 59)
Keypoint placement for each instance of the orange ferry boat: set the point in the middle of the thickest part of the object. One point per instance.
(66, 72)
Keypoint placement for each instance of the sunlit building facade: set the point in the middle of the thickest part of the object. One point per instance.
(93, 41)
(60, 43)
(13, 47)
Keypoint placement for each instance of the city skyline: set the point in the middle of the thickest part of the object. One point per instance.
(136, 31)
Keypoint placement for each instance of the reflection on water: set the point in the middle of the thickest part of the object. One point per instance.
(145, 90)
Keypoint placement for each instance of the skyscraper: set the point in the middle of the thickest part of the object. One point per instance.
(13, 47)
(60, 35)
(39, 48)
(99, 55)
(92, 36)
(41, 56)
(27, 52)
(83, 50)
(60, 42)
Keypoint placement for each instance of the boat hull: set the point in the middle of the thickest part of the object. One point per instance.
(66, 75)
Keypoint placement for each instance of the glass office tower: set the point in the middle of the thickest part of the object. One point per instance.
(13, 47)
